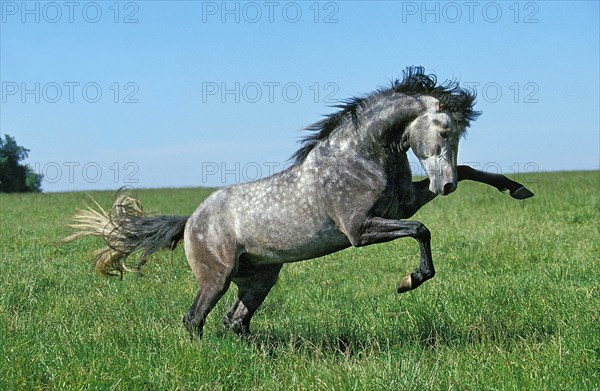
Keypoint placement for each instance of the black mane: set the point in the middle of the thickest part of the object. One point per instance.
(453, 99)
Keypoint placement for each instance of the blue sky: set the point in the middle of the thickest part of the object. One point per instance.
(191, 93)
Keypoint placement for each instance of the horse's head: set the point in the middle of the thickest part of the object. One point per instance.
(433, 137)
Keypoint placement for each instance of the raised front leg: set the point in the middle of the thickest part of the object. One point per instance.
(379, 230)
(422, 196)
(500, 182)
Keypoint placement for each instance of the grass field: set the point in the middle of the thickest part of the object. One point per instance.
(514, 305)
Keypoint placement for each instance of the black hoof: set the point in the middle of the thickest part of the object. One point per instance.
(226, 322)
(521, 193)
(237, 327)
(193, 329)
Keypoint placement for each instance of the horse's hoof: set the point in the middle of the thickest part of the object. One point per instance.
(227, 322)
(240, 330)
(521, 193)
(193, 328)
(405, 284)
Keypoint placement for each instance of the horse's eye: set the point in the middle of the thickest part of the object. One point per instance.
(445, 134)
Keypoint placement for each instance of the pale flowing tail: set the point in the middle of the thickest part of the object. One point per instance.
(126, 229)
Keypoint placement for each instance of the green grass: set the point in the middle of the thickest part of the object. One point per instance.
(514, 304)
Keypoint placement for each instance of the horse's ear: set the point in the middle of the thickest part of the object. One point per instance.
(404, 142)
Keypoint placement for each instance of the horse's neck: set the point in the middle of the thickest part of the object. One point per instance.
(379, 145)
(374, 133)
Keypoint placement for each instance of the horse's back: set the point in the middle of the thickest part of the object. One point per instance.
(274, 220)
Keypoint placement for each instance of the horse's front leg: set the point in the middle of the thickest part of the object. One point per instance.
(422, 196)
(379, 230)
(500, 182)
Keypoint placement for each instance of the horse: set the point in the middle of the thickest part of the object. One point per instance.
(349, 184)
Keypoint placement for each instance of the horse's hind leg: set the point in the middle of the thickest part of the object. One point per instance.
(213, 268)
(208, 295)
(254, 283)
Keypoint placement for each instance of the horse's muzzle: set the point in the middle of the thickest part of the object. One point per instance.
(448, 188)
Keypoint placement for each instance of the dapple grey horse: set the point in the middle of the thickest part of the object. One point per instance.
(350, 184)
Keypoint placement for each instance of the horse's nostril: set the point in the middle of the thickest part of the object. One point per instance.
(449, 188)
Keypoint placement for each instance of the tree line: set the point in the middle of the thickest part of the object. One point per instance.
(16, 177)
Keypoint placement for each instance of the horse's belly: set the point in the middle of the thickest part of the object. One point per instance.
(290, 243)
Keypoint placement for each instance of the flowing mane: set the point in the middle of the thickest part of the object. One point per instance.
(453, 99)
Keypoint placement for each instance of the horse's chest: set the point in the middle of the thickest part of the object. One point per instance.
(394, 202)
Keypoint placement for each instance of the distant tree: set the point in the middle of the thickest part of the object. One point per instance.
(14, 176)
